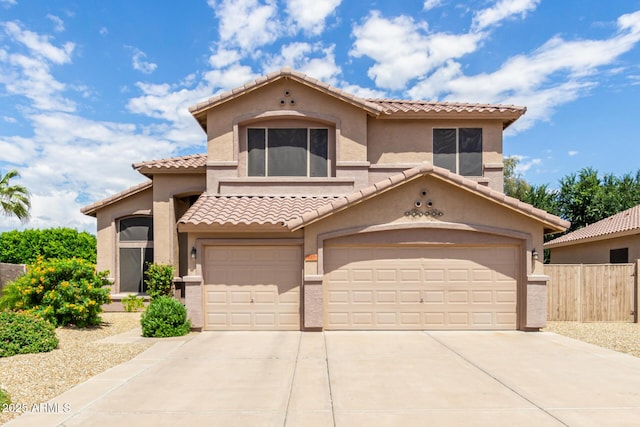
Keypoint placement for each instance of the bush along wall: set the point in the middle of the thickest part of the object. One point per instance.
(165, 317)
(62, 291)
(24, 247)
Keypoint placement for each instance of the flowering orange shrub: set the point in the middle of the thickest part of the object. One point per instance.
(62, 291)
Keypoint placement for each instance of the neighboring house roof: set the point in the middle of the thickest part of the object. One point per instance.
(190, 163)
(375, 107)
(618, 225)
(297, 212)
(91, 209)
(249, 210)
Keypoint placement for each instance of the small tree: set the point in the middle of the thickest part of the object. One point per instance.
(159, 280)
(14, 199)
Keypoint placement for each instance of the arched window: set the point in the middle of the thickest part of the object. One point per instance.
(135, 251)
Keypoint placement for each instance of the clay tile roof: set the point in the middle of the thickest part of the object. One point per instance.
(552, 222)
(410, 107)
(622, 223)
(249, 210)
(91, 209)
(191, 162)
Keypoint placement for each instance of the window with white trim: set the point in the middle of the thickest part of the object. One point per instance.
(459, 150)
(288, 152)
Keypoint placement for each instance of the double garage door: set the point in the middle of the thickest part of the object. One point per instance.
(365, 287)
(400, 287)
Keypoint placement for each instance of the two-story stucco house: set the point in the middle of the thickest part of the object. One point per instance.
(313, 208)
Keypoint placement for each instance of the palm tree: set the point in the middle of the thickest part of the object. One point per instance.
(14, 199)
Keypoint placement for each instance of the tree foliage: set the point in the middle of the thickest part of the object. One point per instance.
(24, 247)
(14, 199)
(583, 198)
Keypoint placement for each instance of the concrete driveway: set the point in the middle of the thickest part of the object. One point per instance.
(358, 379)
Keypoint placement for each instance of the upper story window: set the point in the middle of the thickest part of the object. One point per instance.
(459, 150)
(288, 152)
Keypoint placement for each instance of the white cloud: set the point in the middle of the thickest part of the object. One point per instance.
(556, 73)
(310, 15)
(503, 9)
(403, 50)
(139, 63)
(39, 45)
(431, 4)
(573, 153)
(526, 163)
(314, 60)
(8, 3)
(57, 22)
(9, 119)
(247, 24)
(103, 31)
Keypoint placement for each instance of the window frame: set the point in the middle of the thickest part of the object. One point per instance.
(142, 245)
(615, 256)
(308, 152)
(458, 152)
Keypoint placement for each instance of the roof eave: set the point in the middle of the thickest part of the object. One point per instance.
(608, 236)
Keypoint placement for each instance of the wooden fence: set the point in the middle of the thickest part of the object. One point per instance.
(592, 292)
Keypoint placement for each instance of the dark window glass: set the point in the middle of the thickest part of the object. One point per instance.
(444, 148)
(318, 152)
(619, 256)
(287, 152)
(136, 229)
(134, 263)
(470, 142)
(256, 146)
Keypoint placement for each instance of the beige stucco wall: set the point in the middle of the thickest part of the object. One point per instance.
(166, 212)
(596, 252)
(270, 101)
(107, 217)
(398, 141)
(458, 205)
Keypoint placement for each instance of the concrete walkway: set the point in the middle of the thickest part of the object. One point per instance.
(357, 379)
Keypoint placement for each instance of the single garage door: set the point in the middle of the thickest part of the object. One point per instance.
(252, 287)
(400, 287)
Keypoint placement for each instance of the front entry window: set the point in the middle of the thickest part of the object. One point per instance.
(288, 152)
(135, 252)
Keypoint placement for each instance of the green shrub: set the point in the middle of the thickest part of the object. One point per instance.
(62, 291)
(159, 280)
(132, 303)
(22, 333)
(5, 399)
(24, 247)
(165, 317)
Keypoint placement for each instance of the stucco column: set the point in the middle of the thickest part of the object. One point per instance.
(313, 304)
(193, 300)
(536, 301)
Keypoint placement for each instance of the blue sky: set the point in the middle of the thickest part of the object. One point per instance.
(87, 88)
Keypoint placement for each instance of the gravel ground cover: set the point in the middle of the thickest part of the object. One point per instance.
(36, 378)
(622, 337)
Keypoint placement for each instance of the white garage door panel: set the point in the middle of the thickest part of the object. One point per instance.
(420, 288)
(252, 287)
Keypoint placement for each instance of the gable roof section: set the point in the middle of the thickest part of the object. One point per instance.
(552, 223)
(93, 208)
(185, 164)
(249, 210)
(199, 110)
(374, 107)
(621, 224)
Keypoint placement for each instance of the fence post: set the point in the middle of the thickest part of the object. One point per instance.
(580, 291)
(635, 291)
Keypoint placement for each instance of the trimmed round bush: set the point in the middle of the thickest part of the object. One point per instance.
(165, 317)
(62, 291)
(22, 333)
